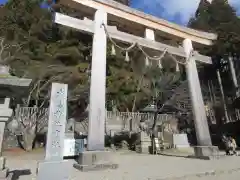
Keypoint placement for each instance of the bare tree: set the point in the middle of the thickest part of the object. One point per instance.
(33, 120)
(7, 51)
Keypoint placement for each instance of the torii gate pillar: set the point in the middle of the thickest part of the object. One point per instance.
(204, 148)
(96, 134)
(95, 157)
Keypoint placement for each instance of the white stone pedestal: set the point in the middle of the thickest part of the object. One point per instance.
(95, 160)
(180, 141)
(54, 170)
(72, 147)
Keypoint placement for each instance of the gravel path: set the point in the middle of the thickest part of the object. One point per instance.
(230, 176)
(134, 166)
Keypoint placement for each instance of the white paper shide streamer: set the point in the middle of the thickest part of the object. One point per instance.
(160, 64)
(177, 67)
(147, 62)
(148, 59)
(127, 59)
(113, 50)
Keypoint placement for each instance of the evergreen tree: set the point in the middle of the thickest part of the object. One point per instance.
(200, 21)
(220, 18)
(52, 52)
(48, 52)
(125, 2)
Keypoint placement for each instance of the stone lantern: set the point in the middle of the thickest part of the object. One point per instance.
(10, 87)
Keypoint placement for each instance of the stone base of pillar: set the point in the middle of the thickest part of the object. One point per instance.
(59, 170)
(206, 152)
(4, 172)
(94, 160)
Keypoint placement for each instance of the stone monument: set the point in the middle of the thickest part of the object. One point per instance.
(180, 141)
(54, 167)
(144, 143)
(10, 86)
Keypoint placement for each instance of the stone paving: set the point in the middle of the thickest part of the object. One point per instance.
(134, 166)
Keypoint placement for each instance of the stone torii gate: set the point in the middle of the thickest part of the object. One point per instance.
(102, 11)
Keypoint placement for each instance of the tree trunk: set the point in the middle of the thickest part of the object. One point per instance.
(223, 97)
(138, 89)
(154, 131)
(28, 139)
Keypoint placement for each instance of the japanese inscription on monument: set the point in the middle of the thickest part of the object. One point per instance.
(56, 122)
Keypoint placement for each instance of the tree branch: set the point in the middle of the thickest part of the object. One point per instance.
(5, 47)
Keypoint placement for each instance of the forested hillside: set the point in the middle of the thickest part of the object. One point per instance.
(52, 53)
(220, 18)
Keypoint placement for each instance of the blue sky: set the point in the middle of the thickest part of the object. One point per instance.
(3, 1)
(178, 11)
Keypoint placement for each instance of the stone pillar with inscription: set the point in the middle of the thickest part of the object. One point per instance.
(51, 167)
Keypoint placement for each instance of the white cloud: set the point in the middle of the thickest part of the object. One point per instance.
(234, 1)
(187, 8)
(168, 9)
(181, 10)
(236, 4)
